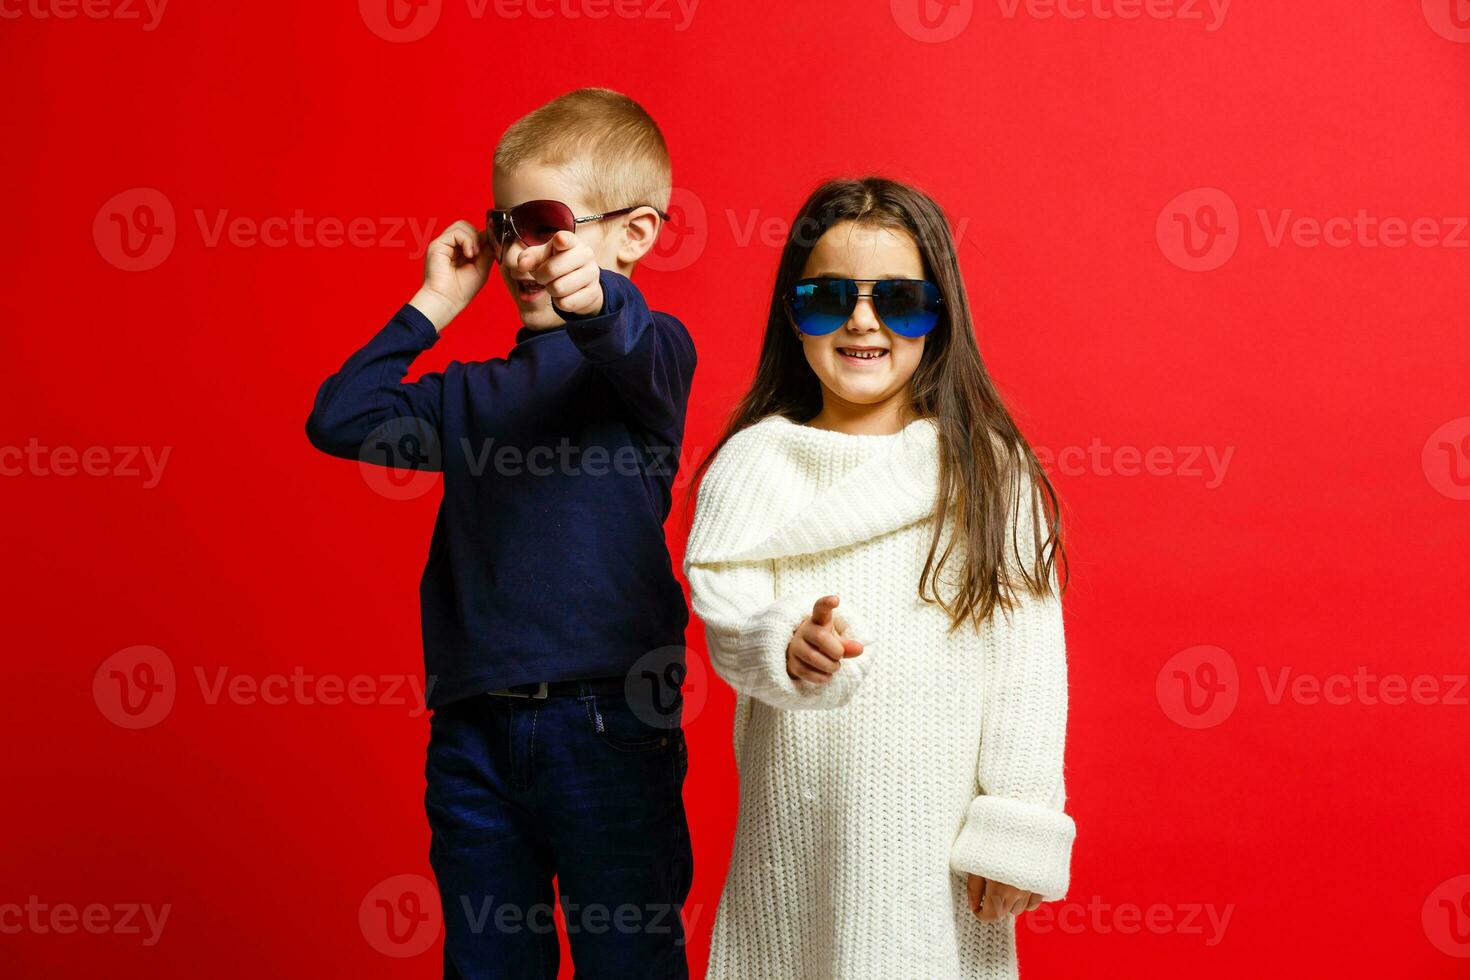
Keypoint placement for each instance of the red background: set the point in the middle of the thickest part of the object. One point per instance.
(1331, 834)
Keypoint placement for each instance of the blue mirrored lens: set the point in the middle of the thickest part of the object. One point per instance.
(820, 306)
(908, 307)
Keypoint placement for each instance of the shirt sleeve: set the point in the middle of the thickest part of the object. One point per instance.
(649, 358)
(1016, 830)
(368, 391)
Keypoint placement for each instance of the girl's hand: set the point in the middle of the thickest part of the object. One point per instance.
(455, 267)
(990, 900)
(817, 648)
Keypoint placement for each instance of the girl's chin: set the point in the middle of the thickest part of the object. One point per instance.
(861, 394)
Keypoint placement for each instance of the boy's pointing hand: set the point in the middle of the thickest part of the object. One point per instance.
(568, 269)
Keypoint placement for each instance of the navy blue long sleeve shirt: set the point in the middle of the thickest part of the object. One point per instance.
(548, 559)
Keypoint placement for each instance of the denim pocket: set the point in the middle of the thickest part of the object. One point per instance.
(620, 727)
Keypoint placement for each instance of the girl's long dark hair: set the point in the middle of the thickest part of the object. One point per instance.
(984, 457)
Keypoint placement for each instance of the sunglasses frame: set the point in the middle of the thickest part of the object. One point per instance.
(510, 221)
(791, 317)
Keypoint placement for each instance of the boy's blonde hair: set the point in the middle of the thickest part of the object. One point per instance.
(604, 140)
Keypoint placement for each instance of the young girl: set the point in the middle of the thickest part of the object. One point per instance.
(874, 555)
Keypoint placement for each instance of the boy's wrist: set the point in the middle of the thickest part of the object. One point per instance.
(435, 308)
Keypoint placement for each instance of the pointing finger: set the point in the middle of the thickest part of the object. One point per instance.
(530, 258)
(822, 609)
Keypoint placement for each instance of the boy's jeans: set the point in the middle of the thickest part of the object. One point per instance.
(576, 787)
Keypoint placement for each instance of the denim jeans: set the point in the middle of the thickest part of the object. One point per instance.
(578, 788)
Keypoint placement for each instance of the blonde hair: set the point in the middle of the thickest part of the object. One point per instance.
(607, 143)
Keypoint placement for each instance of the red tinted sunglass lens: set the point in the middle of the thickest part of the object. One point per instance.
(537, 222)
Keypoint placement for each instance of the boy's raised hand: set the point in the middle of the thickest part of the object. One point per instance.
(455, 267)
(818, 647)
(568, 268)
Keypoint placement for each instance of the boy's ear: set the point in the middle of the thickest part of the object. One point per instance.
(639, 235)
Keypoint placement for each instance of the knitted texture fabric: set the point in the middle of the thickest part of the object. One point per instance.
(865, 801)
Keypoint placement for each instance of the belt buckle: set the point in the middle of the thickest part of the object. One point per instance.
(542, 691)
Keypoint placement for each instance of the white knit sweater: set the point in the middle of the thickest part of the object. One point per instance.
(928, 756)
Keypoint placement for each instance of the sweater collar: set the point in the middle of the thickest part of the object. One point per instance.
(893, 486)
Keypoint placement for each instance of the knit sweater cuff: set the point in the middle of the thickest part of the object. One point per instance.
(1024, 845)
(763, 642)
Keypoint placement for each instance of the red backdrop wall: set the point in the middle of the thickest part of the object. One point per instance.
(1218, 256)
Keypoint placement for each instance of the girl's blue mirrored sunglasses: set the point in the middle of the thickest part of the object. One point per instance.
(908, 307)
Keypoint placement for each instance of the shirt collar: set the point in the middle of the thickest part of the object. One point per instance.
(526, 333)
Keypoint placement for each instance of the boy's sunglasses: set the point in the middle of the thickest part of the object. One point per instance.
(537, 222)
(908, 307)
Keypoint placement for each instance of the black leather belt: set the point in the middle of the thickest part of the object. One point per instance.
(605, 686)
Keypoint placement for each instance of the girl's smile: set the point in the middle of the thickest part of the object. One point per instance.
(863, 356)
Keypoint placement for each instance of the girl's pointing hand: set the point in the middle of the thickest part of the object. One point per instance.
(818, 646)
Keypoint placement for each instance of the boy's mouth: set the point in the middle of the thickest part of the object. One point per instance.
(528, 289)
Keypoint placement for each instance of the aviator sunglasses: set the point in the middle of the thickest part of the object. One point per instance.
(908, 307)
(537, 222)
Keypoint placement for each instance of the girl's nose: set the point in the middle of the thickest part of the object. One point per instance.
(864, 318)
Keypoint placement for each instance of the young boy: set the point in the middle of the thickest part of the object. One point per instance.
(548, 584)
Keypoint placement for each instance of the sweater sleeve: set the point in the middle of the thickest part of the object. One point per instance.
(747, 629)
(649, 358)
(368, 391)
(1016, 830)
(747, 625)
